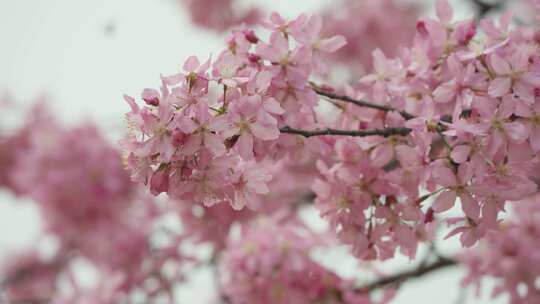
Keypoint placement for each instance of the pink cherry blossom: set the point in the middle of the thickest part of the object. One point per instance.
(455, 188)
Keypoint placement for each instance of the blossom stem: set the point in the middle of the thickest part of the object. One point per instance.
(356, 133)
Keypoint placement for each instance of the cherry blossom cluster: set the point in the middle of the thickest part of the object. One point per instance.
(270, 263)
(510, 257)
(210, 134)
(468, 95)
(91, 208)
(453, 116)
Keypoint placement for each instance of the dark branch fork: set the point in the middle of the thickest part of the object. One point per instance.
(386, 132)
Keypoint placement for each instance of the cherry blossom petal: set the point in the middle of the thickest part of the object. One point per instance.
(333, 44)
(444, 201)
(444, 11)
(470, 206)
(444, 177)
(245, 145)
(191, 64)
(460, 153)
(500, 87)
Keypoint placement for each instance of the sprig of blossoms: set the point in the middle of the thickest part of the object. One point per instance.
(453, 116)
(469, 95)
(209, 147)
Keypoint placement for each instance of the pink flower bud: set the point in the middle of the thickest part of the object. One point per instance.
(151, 97)
(421, 28)
(250, 36)
(466, 33)
(254, 58)
(470, 34)
(429, 217)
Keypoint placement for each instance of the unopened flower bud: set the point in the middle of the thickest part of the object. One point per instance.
(429, 217)
(151, 97)
(254, 58)
(421, 28)
(250, 36)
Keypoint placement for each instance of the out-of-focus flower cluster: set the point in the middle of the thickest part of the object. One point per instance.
(219, 15)
(76, 171)
(90, 207)
(367, 26)
(510, 257)
(270, 263)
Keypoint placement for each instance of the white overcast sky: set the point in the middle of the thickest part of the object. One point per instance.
(59, 48)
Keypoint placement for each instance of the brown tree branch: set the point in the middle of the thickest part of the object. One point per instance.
(359, 102)
(29, 301)
(399, 278)
(356, 133)
(362, 103)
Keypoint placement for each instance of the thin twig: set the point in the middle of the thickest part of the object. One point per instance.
(362, 103)
(357, 133)
(399, 278)
(28, 301)
(359, 102)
